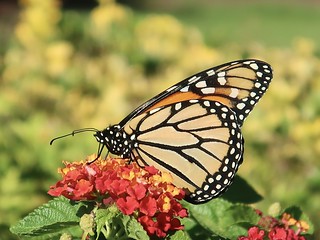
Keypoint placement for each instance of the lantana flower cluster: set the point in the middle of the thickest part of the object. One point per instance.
(270, 228)
(144, 193)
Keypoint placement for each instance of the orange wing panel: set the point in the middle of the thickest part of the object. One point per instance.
(184, 96)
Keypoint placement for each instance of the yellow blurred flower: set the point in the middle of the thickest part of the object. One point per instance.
(160, 36)
(303, 46)
(58, 56)
(202, 57)
(107, 14)
(39, 19)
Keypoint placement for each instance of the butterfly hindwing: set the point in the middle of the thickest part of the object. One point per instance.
(198, 141)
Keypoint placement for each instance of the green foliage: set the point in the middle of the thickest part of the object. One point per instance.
(241, 191)
(114, 225)
(49, 220)
(271, 23)
(66, 69)
(222, 218)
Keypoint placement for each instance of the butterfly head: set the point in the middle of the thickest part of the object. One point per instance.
(116, 140)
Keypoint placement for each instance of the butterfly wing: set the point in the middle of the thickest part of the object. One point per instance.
(192, 129)
(239, 85)
(198, 141)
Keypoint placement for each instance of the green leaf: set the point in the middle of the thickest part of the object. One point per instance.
(223, 218)
(195, 230)
(241, 192)
(134, 229)
(49, 219)
(208, 214)
(239, 213)
(180, 235)
(104, 218)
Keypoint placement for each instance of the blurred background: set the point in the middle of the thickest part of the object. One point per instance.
(66, 65)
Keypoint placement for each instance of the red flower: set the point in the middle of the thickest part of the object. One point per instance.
(164, 222)
(142, 192)
(148, 224)
(279, 233)
(83, 188)
(277, 229)
(127, 205)
(254, 233)
(148, 206)
(138, 191)
(178, 209)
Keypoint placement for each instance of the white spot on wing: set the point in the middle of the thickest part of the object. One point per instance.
(234, 92)
(224, 109)
(240, 106)
(201, 84)
(254, 66)
(222, 80)
(193, 79)
(259, 74)
(171, 88)
(185, 89)
(211, 72)
(208, 90)
(154, 110)
(252, 94)
(177, 106)
(206, 103)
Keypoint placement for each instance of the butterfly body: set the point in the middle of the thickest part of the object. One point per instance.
(116, 140)
(193, 129)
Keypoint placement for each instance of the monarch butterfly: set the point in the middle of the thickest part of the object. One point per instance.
(192, 129)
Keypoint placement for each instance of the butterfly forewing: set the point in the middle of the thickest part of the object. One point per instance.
(238, 85)
(198, 141)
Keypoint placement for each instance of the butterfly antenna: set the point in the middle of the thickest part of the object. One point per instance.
(74, 133)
